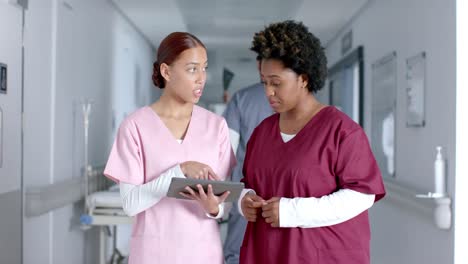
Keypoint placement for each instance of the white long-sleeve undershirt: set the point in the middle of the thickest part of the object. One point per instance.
(234, 138)
(138, 198)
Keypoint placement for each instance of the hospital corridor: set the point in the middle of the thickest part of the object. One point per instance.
(78, 81)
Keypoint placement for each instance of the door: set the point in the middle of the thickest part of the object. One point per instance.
(346, 85)
(11, 25)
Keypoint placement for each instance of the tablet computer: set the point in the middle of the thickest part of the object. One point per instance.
(219, 187)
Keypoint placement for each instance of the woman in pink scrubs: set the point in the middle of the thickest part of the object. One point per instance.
(311, 172)
(173, 138)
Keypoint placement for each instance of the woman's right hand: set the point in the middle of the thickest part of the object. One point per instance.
(198, 170)
(250, 205)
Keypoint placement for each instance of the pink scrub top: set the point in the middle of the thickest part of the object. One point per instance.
(330, 153)
(173, 230)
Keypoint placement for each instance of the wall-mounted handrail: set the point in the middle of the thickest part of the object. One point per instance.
(42, 199)
(435, 208)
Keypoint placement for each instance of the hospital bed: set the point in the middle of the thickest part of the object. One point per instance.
(102, 204)
(103, 209)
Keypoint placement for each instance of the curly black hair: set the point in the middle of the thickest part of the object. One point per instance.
(299, 50)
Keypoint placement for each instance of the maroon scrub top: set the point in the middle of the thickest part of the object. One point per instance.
(330, 153)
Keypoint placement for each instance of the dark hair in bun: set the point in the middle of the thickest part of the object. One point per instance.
(169, 49)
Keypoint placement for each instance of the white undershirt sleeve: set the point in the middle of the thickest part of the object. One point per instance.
(220, 212)
(138, 198)
(327, 210)
(234, 137)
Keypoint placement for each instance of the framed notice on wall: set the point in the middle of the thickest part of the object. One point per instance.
(415, 94)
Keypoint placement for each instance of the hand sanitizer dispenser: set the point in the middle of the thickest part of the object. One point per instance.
(442, 211)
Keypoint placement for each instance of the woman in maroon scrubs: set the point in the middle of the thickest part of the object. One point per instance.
(309, 171)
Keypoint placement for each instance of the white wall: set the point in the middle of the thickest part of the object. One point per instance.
(461, 195)
(72, 52)
(132, 70)
(410, 27)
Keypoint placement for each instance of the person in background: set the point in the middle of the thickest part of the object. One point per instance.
(309, 171)
(173, 138)
(247, 108)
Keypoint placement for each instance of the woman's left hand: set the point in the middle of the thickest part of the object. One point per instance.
(208, 200)
(271, 211)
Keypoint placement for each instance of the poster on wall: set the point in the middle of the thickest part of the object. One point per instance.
(415, 78)
(384, 87)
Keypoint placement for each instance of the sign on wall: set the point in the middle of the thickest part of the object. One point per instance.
(3, 78)
(415, 77)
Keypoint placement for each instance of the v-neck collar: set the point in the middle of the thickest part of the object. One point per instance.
(168, 131)
(299, 133)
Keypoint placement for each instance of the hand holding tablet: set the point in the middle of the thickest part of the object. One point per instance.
(219, 187)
